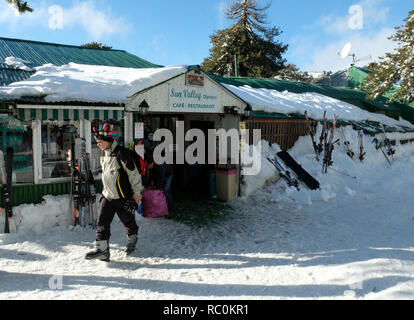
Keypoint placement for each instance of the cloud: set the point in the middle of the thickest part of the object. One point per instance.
(334, 24)
(96, 22)
(5, 12)
(373, 12)
(366, 47)
(329, 34)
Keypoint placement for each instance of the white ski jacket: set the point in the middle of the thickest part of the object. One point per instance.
(110, 175)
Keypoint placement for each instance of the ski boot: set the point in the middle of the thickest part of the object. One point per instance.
(131, 244)
(101, 252)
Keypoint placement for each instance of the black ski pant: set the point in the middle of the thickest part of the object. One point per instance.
(107, 211)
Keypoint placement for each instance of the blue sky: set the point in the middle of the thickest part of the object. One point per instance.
(178, 32)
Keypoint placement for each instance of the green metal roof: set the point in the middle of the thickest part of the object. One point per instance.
(358, 75)
(9, 74)
(352, 96)
(40, 53)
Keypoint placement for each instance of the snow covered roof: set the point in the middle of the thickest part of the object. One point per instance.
(281, 96)
(18, 58)
(87, 83)
(315, 104)
(103, 84)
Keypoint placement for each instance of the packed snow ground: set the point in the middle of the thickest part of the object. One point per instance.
(352, 239)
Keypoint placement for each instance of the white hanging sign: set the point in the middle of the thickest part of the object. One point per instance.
(139, 130)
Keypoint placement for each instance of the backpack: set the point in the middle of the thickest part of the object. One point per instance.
(140, 163)
(123, 185)
(130, 158)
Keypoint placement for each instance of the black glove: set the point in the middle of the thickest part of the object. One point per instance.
(130, 206)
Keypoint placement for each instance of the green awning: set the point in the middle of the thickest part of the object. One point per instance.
(26, 113)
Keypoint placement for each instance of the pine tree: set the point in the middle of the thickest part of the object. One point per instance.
(291, 72)
(248, 43)
(248, 15)
(19, 6)
(371, 65)
(395, 70)
(96, 45)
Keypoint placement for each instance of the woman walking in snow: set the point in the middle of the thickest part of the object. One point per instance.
(121, 192)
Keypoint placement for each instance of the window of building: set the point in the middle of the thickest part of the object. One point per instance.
(18, 135)
(57, 137)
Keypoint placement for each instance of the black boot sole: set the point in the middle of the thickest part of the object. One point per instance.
(128, 252)
(98, 257)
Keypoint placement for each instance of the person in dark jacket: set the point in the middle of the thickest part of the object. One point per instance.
(164, 174)
(160, 176)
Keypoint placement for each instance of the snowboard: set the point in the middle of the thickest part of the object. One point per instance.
(302, 174)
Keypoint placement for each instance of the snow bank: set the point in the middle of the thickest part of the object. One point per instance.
(34, 219)
(343, 166)
(88, 83)
(266, 171)
(303, 149)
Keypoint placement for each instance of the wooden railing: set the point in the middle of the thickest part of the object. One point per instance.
(284, 132)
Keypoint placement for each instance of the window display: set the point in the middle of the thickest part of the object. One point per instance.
(18, 135)
(57, 137)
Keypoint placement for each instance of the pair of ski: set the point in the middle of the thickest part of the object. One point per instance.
(83, 191)
(390, 151)
(325, 144)
(329, 146)
(312, 132)
(347, 145)
(319, 147)
(361, 129)
(284, 173)
(7, 188)
(362, 153)
(301, 173)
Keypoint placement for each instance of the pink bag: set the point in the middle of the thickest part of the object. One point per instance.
(154, 203)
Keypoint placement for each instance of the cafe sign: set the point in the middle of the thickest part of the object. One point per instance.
(190, 99)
